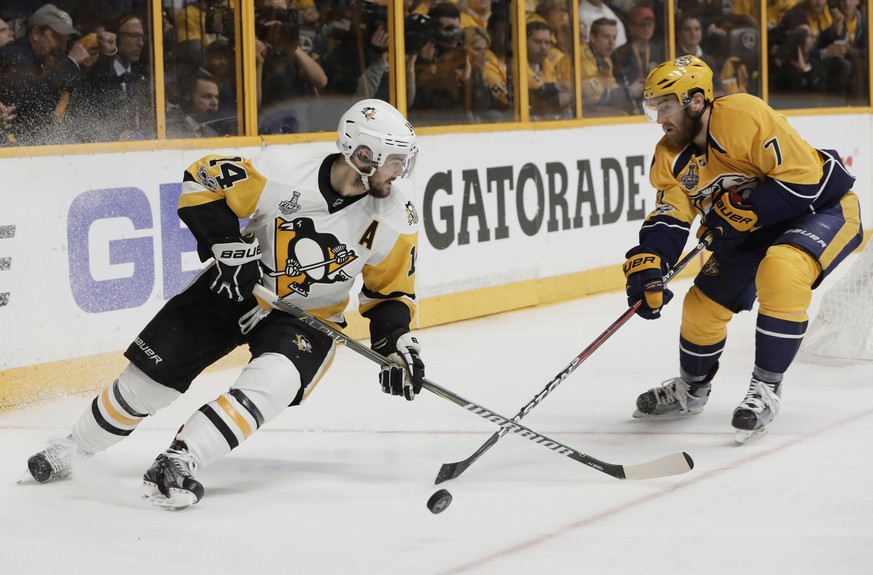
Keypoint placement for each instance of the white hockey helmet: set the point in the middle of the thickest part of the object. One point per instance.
(371, 130)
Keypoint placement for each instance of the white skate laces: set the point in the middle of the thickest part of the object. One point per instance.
(674, 397)
(760, 406)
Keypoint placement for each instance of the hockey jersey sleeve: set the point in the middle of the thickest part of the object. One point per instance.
(217, 191)
(794, 176)
(387, 297)
(666, 228)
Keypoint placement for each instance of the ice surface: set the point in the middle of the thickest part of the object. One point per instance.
(340, 484)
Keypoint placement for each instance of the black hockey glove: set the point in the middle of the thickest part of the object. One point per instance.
(645, 282)
(237, 267)
(730, 220)
(404, 378)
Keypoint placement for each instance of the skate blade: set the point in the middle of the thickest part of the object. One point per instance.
(177, 500)
(742, 436)
(637, 414)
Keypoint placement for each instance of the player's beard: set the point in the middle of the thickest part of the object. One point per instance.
(682, 133)
(380, 187)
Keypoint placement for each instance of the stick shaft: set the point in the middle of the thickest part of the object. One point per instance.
(340, 338)
(453, 470)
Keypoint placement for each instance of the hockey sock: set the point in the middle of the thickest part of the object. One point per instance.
(119, 409)
(265, 387)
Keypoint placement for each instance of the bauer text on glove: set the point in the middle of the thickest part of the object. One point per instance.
(644, 271)
(237, 267)
(729, 221)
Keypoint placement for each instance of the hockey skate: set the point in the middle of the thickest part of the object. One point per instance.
(169, 483)
(54, 462)
(758, 409)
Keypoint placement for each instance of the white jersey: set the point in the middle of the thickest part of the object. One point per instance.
(313, 241)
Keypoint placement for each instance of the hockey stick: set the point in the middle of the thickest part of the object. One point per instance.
(669, 465)
(452, 470)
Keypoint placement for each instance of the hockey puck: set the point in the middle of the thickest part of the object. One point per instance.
(439, 501)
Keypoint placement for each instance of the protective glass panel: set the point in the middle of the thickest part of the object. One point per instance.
(725, 35)
(316, 59)
(621, 43)
(818, 54)
(73, 74)
(550, 63)
(202, 83)
(458, 62)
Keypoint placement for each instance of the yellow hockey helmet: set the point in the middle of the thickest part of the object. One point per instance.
(681, 77)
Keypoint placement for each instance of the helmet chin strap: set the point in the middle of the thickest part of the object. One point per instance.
(365, 178)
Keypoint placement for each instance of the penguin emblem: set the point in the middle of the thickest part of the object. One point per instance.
(312, 256)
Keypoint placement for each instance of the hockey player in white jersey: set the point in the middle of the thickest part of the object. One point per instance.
(315, 223)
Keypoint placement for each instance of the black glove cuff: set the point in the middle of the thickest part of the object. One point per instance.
(387, 344)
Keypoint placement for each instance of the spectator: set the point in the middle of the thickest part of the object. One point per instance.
(199, 106)
(36, 70)
(554, 13)
(496, 74)
(795, 71)
(827, 26)
(591, 10)
(550, 83)
(477, 92)
(219, 61)
(633, 61)
(344, 44)
(689, 39)
(474, 13)
(601, 93)
(439, 72)
(7, 34)
(855, 35)
(116, 94)
(190, 27)
(288, 71)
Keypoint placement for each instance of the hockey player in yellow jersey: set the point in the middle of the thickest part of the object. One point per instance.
(316, 222)
(781, 216)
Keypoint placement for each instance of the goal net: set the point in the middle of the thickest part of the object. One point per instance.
(842, 331)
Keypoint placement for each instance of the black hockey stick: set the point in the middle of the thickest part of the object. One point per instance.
(669, 465)
(452, 470)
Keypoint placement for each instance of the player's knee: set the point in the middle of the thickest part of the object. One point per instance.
(784, 282)
(268, 384)
(704, 322)
(142, 394)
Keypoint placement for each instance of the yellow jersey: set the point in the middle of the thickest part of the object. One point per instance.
(751, 150)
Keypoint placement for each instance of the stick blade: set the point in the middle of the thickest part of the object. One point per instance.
(451, 471)
(674, 464)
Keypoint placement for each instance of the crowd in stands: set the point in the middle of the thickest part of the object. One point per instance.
(77, 71)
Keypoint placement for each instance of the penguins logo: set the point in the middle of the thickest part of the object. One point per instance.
(369, 113)
(311, 257)
(303, 344)
(411, 214)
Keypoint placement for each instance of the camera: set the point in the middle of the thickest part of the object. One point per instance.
(420, 29)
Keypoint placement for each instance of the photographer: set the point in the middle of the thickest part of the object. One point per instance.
(442, 66)
(346, 48)
(288, 72)
(795, 69)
